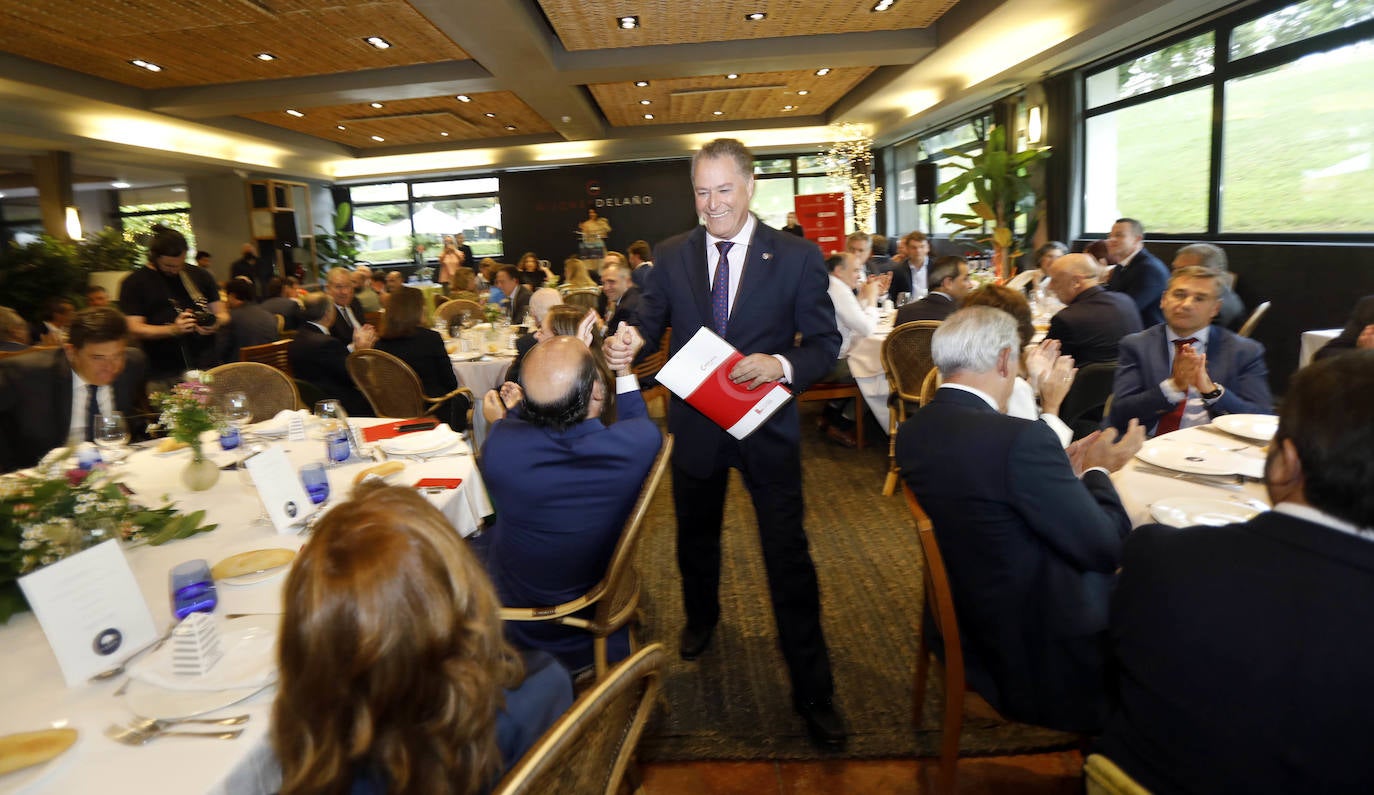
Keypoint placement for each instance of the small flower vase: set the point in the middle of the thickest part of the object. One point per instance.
(201, 473)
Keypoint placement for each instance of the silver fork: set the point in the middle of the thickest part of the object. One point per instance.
(129, 735)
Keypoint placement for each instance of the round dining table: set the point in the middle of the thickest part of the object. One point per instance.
(36, 697)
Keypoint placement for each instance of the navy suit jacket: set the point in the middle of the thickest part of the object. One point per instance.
(1233, 361)
(1361, 317)
(36, 403)
(935, 306)
(1243, 658)
(1030, 550)
(554, 531)
(1090, 328)
(1144, 280)
(783, 292)
(322, 360)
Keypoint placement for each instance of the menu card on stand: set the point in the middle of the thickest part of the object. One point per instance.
(91, 610)
(280, 488)
(699, 373)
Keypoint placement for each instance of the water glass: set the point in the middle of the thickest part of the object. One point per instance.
(316, 482)
(111, 434)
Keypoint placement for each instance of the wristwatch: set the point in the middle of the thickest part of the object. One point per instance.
(1214, 394)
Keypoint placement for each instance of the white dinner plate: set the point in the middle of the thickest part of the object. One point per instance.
(1260, 427)
(1194, 459)
(1188, 511)
(420, 442)
(35, 776)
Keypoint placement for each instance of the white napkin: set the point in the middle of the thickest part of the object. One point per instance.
(250, 659)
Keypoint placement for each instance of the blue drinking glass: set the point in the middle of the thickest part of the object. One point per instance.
(316, 482)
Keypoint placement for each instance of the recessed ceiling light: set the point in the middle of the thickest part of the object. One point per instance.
(883, 5)
(294, 112)
(732, 76)
(378, 138)
(646, 102)
(489, 115)
(378, 42)
(755, 16)
(649, 116)
(510, 126)
(341, 127)
(642, 83)
(717, 113)
(265, 56)
(119, 185)
(463, 98)
(444, 134)
(627, 23)
(142, 64)
(822, 72)
(803, 93)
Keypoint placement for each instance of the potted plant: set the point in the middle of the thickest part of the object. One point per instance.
(1003, 193)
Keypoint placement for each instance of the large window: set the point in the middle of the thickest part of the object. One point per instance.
(1260, 123)
(394, 218)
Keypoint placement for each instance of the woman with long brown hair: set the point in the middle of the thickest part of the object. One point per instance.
(393, 663)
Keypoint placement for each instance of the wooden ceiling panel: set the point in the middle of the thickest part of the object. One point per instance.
(200, 42)
(411, 122)
(593, 26)
(694, 100)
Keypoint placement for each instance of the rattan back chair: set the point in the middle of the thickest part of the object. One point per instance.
(906, 361)
(453, 310)
(272, 354)
(392, 387)
(616, 596)
(589, 749)
(269, 390)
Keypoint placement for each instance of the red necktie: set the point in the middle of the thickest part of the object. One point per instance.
(720, 289)
(1169, 423)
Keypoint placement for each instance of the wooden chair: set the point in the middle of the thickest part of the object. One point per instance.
(272, 354)
(616, 597)
(906, 361)
(1103, 777)
(590, 748)
(648, 367)
(269, 390)
(839, 390)
(392, 387)
(1249, 327)
(453, 310)
(1086, 403)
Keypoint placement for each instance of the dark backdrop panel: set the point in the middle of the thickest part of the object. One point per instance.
(540, 210)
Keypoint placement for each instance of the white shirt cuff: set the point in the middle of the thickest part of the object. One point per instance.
(1170, 393)
(626, 383)
(786, 368)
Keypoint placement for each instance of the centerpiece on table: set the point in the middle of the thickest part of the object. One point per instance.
(43, 519)
(187, 412)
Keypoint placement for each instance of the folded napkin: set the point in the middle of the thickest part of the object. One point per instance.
(250, 659)
(438, 483)
(390, 430)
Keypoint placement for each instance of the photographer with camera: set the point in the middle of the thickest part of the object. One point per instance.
(173, 309)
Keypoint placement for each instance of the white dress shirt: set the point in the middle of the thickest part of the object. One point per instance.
(851, 318)
(104, 396)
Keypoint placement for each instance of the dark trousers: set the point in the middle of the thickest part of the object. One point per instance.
(775, 487)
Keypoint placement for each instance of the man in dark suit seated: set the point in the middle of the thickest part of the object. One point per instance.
(49, 398)
(350, 319)
(249, 323)
(552, 549)
(1243, 651)
(1358, 333)
(319, 359)
(1185, 371)
(1093, 321)
(619, 295)
(949, 283)
(1138, 273)
(1031, 533)
(1206, 255)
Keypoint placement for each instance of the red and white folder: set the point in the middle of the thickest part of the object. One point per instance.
(699, 373)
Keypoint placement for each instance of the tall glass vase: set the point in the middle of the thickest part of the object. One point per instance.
(200, 473)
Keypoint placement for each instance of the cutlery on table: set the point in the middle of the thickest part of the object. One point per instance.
(128, 735)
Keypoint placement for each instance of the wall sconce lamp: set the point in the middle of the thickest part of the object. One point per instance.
(1035, 125)
(73, 223)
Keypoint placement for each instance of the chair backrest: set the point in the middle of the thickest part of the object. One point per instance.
(649, 366)
(1254, 319)
(621, 583)
(272, 354)
(1085, 404)
(454, 309)
(269, 390)
(939, 599)
(589, 749)
(1103, 777)
(388, 383)
(585, 299)
(906, 357)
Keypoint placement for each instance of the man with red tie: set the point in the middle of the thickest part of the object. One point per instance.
(761, 290)
(1185, 371)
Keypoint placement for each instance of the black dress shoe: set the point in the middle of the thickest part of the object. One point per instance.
(823, 723)
(695, 641)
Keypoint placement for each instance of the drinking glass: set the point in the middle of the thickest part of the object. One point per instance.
(316, 482)
(111, 434)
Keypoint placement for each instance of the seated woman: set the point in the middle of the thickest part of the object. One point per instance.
(394, 676)
(464, 285)
(423, 349)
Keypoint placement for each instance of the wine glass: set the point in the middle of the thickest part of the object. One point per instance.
(111, 434)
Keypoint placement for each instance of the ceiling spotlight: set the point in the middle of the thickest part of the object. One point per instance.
(375, 104)
(265, 56)
(649, 116)
(627, 23)
(732, 76)
(646, 102)
(293, 112)
(463, 98)
(803, 93)
(883, 5)
(378, 42)
(142, 64)
(379, 139)
(443, 134)
(489, 115)
(510, 126)
(717, 113)
(822, 72)
(641, 83)
(341, 127)
(119, 185)
(755, 17)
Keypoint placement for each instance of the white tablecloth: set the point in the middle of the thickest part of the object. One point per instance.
(1138, 490)
(35, 696)
(1313, 341)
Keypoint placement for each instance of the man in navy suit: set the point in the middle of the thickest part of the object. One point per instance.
(1138, 273)
(1031, 533)
(1093, 321)
(1243, 651)
(1186, 371)
(553, 549)
(322, 360)
(949, 283)
(762, 290)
